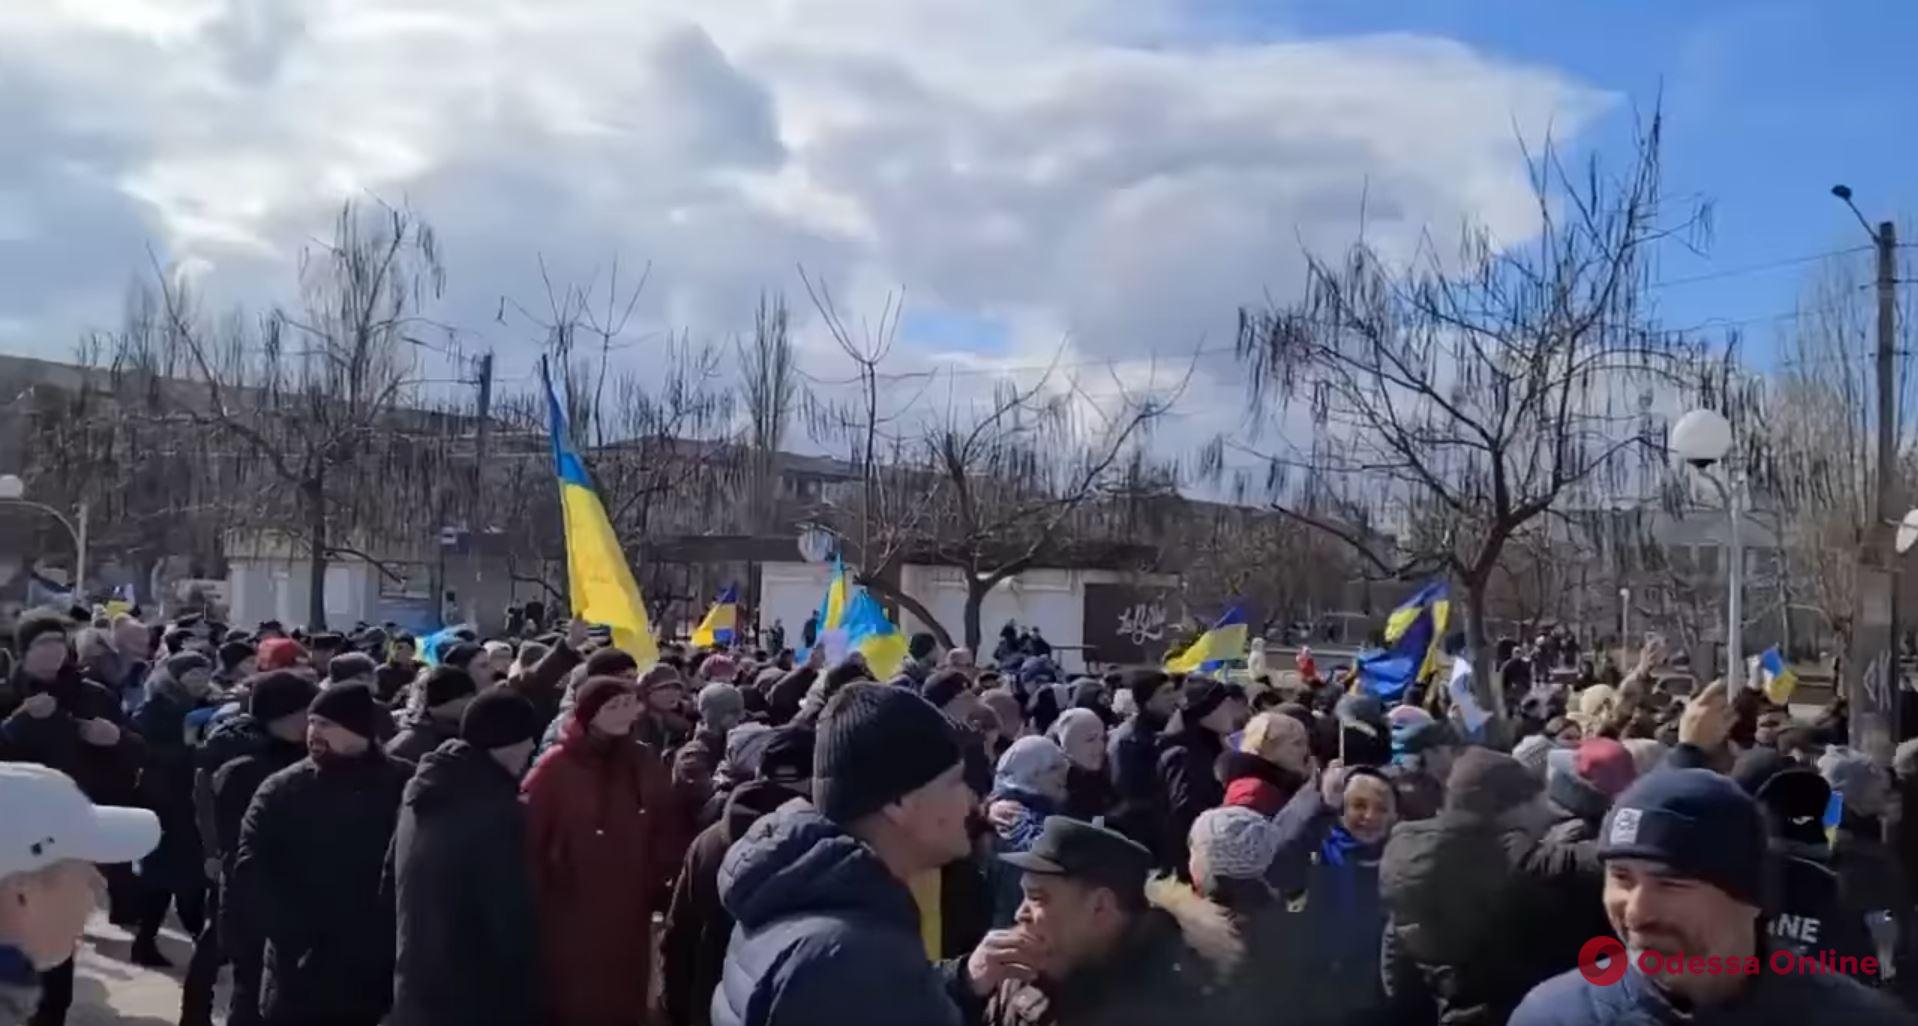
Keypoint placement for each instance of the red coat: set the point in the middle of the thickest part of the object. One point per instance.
(593, 811)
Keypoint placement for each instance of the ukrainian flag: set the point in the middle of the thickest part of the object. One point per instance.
(1224, 643)
(722, 621)
(1414, 633)
(603, 588)
(867, 632)
(1780, 679)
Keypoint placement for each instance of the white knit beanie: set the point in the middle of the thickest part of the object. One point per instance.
(1232, 843)
(1532, 753)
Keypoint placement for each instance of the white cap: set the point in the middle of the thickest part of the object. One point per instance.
(44, 819)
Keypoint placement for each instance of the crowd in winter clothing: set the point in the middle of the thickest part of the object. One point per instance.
(539, 830)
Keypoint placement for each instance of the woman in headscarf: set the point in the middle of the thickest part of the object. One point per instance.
(1081, 734)
(1331, 838)
(593, 805)
(1029, 786)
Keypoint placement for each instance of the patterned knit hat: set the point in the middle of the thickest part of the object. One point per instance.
(1232, 843)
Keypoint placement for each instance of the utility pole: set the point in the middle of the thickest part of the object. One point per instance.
(475, 509)
(1873, 674)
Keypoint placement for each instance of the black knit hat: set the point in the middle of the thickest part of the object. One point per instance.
(447, 684)
(944, 686)
(788, 757)
(349, 705)
(921, 645)
(233, 653)
(500, 718)
(876, 745)
(461, 655)
(1200, 697)
(35, 625)
(183, 663)
(1143, 684)
(1698, 824)
(278, 694)
(610, 662)
(349, 665)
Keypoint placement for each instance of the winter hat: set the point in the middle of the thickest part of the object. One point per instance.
(1756, 768)
(1696, 822)
(447, 684)
(788, 757)
(1423, 736)
(279, 694)
(876, 744)
(943, 687)
(1405, 717)
(461, 656)
(1143, 684)
(1232, 843)
(497, 648)
(349, 705)
(721, 703)
(1532, 753)
(1200, 697)
(233, 653)
(1361, 709)
(921, 645)
(595, 693)
(371, 641)
(1488, 783)
(35, 625)
(178, 666)
(1647, 753)
(1795, 799)
(349, 665)
(718, 668)
(280, 654)
(1599, 761)
(611, 662)
(1034, 764)
(500, 718)
(1852, 774)
(661, 676)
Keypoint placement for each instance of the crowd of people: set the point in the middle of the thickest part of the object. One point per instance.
(536, 829)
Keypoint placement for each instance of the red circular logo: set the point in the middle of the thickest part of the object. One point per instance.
(1608, 950)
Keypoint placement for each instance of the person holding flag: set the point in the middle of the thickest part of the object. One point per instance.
(1217, 648)
(1414, 634)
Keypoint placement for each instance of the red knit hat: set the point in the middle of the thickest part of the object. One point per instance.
(279, 654)
(595, 693)
(1605, 764)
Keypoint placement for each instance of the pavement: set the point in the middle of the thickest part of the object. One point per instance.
(108, 989)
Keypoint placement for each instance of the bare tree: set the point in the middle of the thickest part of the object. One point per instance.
(320, 404)
(1458, 400)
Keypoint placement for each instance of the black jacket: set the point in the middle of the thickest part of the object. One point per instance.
(107, 774)
(1565, 864)
(693, 950)
(1460, 913)
(468, 940)
(1175, 964)
(1186, 761)
(1132, 758)
(1810, 913)
(166, 786)
(391, 679)
(311, 854)
(825, 935)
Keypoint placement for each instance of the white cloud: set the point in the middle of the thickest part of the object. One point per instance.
(1091, 169)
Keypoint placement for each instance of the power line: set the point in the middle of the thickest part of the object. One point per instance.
(1769, 265)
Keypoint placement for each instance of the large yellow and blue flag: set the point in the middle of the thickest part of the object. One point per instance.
(1223, 644)
(867, 631)
(721, 624)
(1414, 638)
(603, 588)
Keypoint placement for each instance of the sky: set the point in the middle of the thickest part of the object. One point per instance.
(1100, 182)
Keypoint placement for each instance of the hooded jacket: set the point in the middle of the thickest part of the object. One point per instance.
(1772, 999)
(825, 934)
(693, 950)
(468, 939)
(593, 806)
(1175, 964)
(311, 855)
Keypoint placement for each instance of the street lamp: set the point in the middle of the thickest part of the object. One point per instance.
(1703, 438)
(13, 492)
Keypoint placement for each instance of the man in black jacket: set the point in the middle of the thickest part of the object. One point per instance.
(468, 941)
(697, 926)
(1208, 711)
(238, 753)
(1132, 757)
(1580, 784)
(312, 849)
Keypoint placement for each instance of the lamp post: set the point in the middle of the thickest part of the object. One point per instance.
(1703, 438)
(13, 492)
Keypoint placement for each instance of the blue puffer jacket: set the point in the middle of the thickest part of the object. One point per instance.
(826, 934)
(1773, 999)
